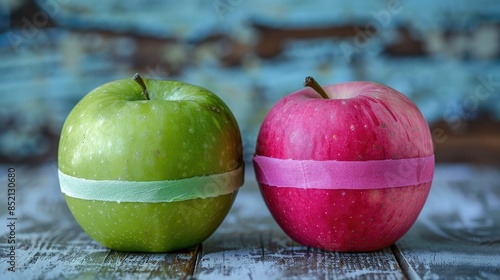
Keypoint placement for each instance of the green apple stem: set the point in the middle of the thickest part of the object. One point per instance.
(311, 82)
(137, 78)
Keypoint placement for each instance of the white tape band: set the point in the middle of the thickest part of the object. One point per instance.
(152, 191)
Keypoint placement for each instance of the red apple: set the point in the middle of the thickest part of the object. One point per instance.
(353, 121)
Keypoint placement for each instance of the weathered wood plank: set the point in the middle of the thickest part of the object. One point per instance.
(458, 233)
(68, 254)
(250, 245)
(51, 245)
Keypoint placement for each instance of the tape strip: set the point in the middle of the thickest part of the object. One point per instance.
(331, 174)
(152, 191)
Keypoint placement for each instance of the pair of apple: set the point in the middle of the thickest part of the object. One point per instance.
(133, 131)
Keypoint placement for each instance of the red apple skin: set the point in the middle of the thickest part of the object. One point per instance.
(361, 121)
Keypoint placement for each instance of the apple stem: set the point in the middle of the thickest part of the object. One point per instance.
(311, 82)
(137, 78)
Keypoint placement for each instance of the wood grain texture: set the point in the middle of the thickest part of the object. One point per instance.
(457, 236)
(458, 232)
(250, 245)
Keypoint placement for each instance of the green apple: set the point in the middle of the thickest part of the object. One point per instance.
(149, 130)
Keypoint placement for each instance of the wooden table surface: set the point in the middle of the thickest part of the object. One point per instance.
(457, 236)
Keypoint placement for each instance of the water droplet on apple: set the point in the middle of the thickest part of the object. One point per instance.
(352, 127)
(191, 130)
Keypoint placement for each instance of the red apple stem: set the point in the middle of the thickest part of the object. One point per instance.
(137, 78)
(311, 82)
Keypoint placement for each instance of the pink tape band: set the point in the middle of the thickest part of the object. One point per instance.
(332, 174)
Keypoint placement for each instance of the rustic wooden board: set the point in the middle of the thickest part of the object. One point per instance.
(67, 253)
(456, 236)
(250, 245)
(458, 233)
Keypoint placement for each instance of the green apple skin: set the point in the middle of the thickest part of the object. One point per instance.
(151, 227)
(183, 131)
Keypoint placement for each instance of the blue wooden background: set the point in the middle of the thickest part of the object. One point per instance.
(444, 55)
